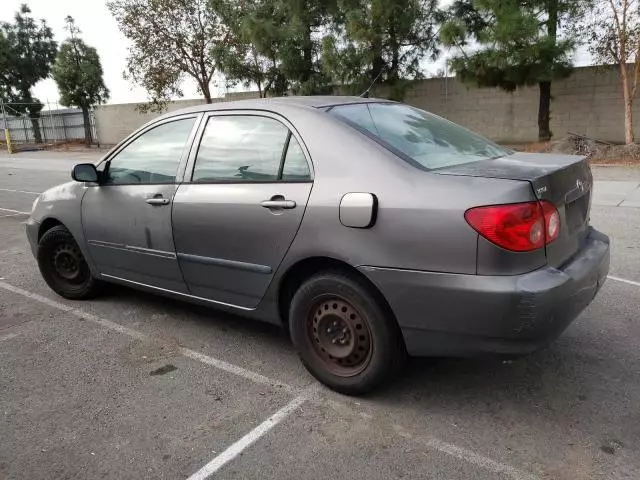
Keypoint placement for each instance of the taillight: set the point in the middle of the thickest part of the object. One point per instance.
(520, 227)
(551, 221)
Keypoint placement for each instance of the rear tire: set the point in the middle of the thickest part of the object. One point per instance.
(63, 266)
(344, 335)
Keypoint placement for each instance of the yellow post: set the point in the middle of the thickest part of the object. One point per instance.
(7, 135)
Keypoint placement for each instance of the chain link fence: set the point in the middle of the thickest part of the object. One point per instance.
(37, 126)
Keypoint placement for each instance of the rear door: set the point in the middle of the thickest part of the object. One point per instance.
(234, 218)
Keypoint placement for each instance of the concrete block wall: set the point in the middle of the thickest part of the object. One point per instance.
(589, 102)
(114, 122)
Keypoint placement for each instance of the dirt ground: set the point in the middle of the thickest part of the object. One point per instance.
(598, 152)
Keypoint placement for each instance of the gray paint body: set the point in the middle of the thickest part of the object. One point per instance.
(218, 244)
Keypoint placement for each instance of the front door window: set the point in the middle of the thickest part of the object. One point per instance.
(152, 158)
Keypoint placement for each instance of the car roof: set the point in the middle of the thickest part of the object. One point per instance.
(316, 101)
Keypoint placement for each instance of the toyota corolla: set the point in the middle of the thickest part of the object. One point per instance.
(368, 229)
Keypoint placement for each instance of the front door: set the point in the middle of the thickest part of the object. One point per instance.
(127, 218)
(235, 220)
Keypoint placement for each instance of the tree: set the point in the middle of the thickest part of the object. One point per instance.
(78, 74)
(381, 40)
(245, 55)
(283, 41)
(615, 39)
(305, 23)
(521, 42)
(27, 54)
(171, 40)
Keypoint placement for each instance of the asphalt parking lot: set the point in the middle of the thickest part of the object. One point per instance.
(136, 386)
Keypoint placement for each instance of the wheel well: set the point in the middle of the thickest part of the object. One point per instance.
(47, 225)
(304, 269)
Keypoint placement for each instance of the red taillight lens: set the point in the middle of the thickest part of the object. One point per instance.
(520, 227)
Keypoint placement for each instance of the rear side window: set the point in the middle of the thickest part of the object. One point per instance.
(295, 166)
(424, 139)
(248, 148)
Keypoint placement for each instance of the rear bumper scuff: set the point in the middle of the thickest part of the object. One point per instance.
(464, 315)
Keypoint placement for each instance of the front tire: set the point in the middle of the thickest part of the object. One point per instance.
(63, 266)
(344, 335)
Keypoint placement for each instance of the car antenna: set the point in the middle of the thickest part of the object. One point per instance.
(365, 94)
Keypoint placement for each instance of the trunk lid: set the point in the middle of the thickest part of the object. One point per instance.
(564, 180)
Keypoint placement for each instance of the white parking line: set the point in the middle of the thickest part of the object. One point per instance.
(214, 362)
(249, 439)
(468, 456)
(236, 448)
(14, 211)
(19, 191)
(235, 370)
(623, 280)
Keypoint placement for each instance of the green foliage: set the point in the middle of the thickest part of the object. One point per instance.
(78, 72)
(513, 43)
(275, 42)
(247, 55)
(518, 41)
(27, 51)
(380, 38)
(529, 64)
(305, 21)
(170, 40)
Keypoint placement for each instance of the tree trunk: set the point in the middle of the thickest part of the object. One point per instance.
(394, 74)
(628, 103)
(544, 112)
(377, 64)
(34, 117)
(544, 109)
(628, 123)
(206, 92)
(87, 126)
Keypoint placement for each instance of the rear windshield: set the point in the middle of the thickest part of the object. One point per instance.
(424, 139)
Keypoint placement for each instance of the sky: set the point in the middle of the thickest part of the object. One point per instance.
(100, 30)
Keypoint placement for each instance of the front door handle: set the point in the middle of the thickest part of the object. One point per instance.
(157, 201)
(277, 204)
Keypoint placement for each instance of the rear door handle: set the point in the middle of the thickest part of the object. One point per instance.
(158, 201)
(278, 204)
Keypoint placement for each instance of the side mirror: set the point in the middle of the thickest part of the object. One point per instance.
(85, 172)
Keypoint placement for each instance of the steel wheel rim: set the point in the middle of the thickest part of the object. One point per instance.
(68, 263)
(340, 335)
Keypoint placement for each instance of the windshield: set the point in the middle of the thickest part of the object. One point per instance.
(426, 139)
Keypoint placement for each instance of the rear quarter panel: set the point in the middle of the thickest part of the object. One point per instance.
(420, 223)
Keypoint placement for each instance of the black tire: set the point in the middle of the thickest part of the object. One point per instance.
(368, 346)
(63, 266)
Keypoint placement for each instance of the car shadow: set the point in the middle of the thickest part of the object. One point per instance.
(215, 320)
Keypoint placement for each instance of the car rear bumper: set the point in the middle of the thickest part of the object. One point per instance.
(464, 315)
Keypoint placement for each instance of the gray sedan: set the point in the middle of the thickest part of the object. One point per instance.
(367, 228)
